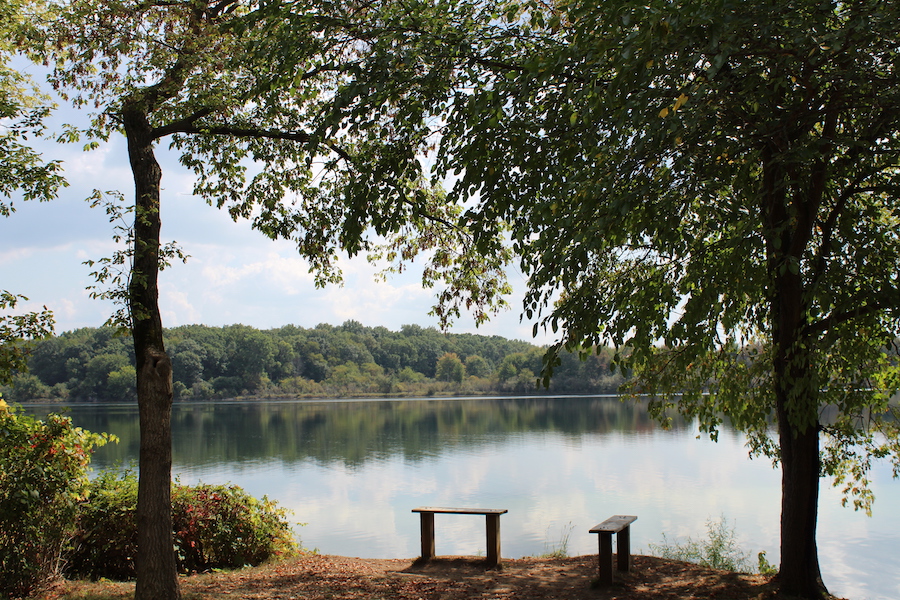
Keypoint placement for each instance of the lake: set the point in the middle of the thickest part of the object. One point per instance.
(352, 471)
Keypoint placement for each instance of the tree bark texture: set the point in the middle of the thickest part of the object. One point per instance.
(799, 573)
(157, 577)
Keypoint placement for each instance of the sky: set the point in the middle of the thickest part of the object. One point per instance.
(233, 274)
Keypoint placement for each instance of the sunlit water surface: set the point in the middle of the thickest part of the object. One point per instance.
(352, 471)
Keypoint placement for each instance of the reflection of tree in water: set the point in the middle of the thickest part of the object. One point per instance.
(352, 433)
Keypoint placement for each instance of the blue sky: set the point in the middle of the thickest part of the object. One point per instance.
(233, 275)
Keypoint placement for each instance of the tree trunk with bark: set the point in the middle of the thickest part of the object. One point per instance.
(157, 577)
(788, 219)
(796, 406)
(799, 574)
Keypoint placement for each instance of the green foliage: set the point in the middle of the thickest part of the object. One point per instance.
(214, 527)
(104, 543)
(16, 331)
(710, 185)
(113, 273)
(350, 359)
(158, 61)
(221, 526)
(670, 187)
(719, 550)
(43, 477)
(764, 567)
(450, 368)
(22, 111)
(477, 366)
(26, 386)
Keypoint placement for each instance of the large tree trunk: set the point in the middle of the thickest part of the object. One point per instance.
(797, 409)
(799, 574)
(788, 221)
(157, 577)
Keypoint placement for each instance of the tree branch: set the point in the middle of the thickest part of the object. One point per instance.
(182, 125)
(890, 299)
(831, 221)
(187, 126)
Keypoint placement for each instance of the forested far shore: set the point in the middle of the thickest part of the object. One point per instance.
(209, 363)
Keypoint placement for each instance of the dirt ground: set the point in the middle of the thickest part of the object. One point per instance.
(317, 577)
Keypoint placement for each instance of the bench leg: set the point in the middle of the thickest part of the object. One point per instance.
(606, 559)
(493, 540)
(623, 549)
(427, 521)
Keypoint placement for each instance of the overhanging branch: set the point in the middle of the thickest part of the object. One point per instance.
(889, 299)
(188, 126)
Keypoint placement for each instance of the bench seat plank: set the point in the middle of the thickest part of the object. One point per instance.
(460, 511)
(614, 524)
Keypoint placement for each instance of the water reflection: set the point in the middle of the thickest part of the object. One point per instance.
(353, 433)
(354, 470)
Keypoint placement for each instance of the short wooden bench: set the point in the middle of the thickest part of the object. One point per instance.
(492, 518)
(619, 525)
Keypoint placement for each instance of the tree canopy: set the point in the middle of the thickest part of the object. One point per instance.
(711, 185)
(246, 120)
(708, 185)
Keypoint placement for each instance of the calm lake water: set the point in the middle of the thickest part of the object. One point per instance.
(353, 470)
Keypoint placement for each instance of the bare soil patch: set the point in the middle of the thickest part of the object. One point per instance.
(318, 577)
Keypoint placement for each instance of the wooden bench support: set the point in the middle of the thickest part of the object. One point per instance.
(619, 525)
(492, 525)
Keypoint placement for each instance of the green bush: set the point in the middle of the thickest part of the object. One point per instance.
(214, 527)
(104, 543)
(218, 526)
(43, 476)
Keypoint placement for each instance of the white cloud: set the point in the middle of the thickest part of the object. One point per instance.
(15, 255)
(65, 309)
(176, 307)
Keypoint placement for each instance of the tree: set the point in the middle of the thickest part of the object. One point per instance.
(15, 331)
(450, 368)
(249, 354)
(206, 74)
(509, 366)
(709, 184)
(23, 173)
(477, 366)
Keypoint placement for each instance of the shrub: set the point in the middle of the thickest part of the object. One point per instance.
(718, 551)
(104, 543)
(218, 526)
(43, 475)
(214, 527)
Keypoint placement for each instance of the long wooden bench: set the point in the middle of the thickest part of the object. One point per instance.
(619, 525)
(492, 518)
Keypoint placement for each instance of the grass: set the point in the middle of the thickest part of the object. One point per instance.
(560, 549)
(719, 550)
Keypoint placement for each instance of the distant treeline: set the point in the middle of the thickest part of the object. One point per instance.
(96, 364)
